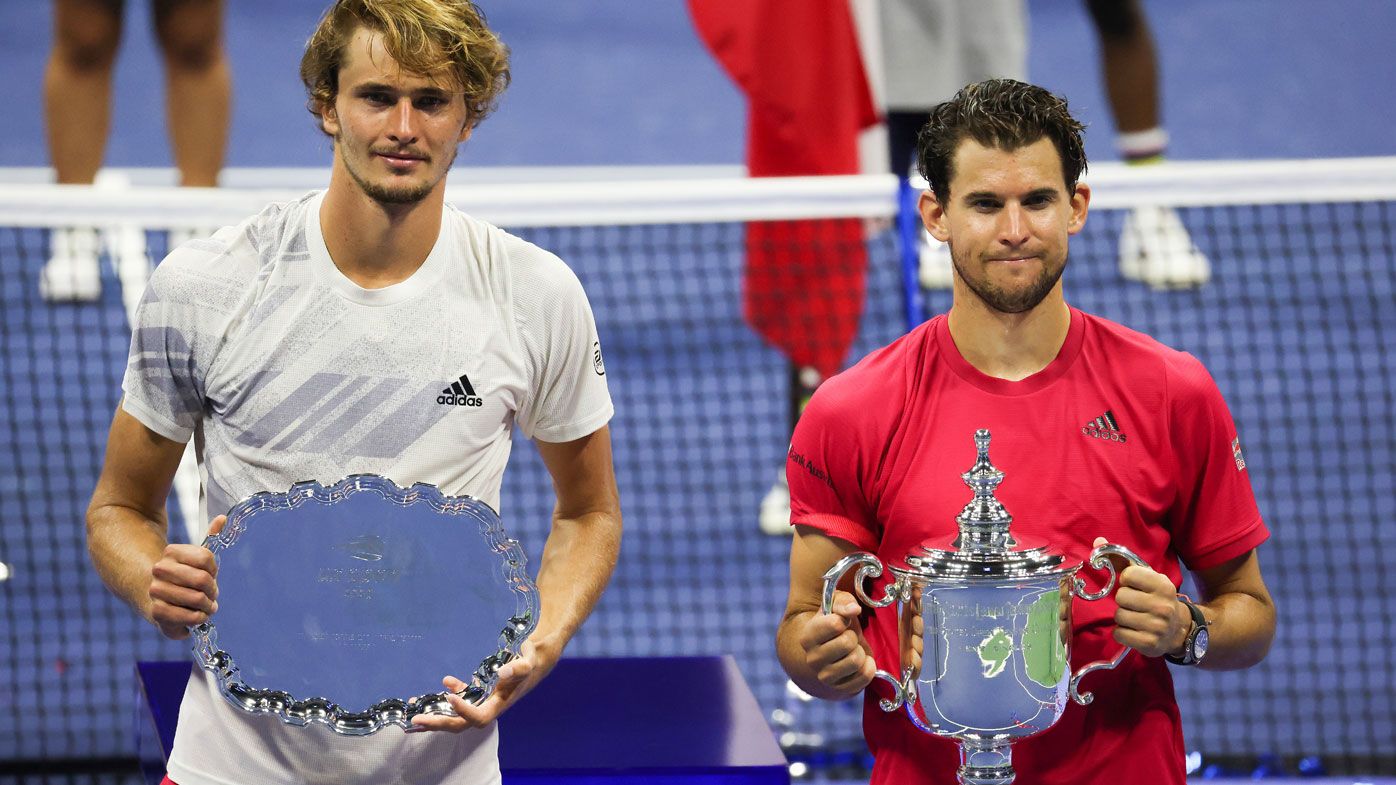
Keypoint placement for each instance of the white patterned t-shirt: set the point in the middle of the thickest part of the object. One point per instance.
(282, 369)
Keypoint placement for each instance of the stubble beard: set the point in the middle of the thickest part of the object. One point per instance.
(388, 195)
(1020, 300)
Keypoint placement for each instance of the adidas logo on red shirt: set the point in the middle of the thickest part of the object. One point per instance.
(1105, 427)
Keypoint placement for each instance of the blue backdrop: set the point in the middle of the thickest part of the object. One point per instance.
(610, 82)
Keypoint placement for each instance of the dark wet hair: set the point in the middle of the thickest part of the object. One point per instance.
(1002, 113)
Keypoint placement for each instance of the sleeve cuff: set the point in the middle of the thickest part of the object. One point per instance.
(155, 422)
(576, 429)
(838, 527)
(1247, 540)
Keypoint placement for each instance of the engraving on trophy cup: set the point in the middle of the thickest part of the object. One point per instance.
(988, 662)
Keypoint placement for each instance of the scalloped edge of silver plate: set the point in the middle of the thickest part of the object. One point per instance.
(392, 711)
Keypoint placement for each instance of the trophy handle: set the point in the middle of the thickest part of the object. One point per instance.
(1100, 560)
(902, 694)
(869, 567)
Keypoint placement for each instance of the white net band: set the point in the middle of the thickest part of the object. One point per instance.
(558, 198)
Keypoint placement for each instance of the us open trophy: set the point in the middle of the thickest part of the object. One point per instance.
(343, 606)
(984, 625)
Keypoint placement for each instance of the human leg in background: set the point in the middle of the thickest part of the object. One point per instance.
(198, 83)
(77, 116)
(1155, 246)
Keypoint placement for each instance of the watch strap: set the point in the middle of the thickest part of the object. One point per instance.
(1199, 623)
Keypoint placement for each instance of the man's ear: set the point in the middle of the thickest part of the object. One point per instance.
(933, 216)
(329, 118)
(1080, 205)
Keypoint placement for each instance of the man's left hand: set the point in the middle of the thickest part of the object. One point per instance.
(1150, 619)
(516, 678)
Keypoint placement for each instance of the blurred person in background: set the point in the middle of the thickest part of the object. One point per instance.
(77, 112)
(931, 48)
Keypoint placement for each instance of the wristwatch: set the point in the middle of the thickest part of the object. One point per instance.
(1195, 644)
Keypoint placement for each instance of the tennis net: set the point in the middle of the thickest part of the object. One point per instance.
(1282, 282)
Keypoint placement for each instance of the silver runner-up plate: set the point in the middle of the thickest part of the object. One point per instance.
(345, 606)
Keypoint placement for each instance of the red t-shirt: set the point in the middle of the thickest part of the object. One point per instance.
(1119, 437)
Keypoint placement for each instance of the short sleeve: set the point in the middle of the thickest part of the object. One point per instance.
(164, 386)
(568, 393)
(1215, 518)
(829, 467)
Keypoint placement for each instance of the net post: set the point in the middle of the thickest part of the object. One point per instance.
(909, 238)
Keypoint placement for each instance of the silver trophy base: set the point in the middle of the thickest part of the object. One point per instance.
(985, 762)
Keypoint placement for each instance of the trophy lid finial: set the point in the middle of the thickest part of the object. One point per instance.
(983, 548)
(982, 478)
(984, 520)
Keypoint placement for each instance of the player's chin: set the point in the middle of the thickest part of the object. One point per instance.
(1022, 276)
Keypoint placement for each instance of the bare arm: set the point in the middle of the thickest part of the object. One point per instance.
(171, 586)
(582, 548)
(1239, 611)
(578, 558)
(825, 655)
(1234, 599)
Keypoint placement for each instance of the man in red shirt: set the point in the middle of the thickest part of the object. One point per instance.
(1102, 432)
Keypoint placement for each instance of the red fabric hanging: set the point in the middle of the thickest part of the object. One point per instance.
(808, 97)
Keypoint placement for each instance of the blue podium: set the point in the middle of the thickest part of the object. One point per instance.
(672, 720)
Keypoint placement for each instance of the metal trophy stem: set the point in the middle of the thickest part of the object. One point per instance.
(986, 763)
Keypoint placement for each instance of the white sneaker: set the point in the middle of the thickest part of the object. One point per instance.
(72, 272)
(1156, 249)
(775, 509)
(127, 250)
(936, 270)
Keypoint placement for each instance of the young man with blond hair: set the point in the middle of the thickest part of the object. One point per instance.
(312, 342)
(1101, 431)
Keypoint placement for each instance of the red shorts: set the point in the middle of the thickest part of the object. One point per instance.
(167, 781)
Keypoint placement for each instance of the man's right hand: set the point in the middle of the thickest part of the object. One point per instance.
(835, 650)
(183, 587)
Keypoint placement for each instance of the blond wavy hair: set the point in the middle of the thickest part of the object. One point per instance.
(436, 38)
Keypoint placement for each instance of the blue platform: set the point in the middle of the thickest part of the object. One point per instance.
(666, 720)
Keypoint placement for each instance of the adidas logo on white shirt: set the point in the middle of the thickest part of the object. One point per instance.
(460, 393)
